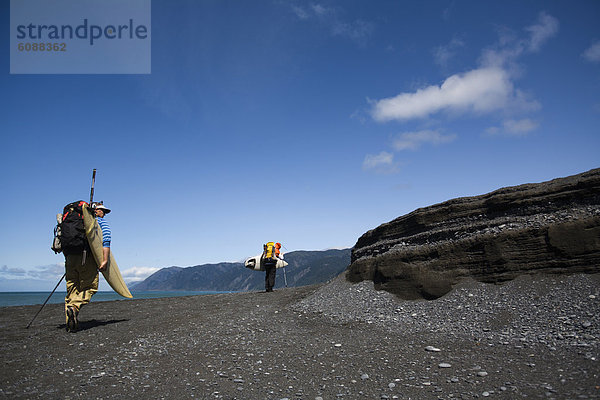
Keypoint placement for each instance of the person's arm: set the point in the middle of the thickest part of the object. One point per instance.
(105, 258)
(106, 239)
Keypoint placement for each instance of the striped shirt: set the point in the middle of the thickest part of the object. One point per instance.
(105, 231)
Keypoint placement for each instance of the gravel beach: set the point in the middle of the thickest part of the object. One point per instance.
(533, 337)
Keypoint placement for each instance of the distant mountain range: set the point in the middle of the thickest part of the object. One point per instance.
(305, 268)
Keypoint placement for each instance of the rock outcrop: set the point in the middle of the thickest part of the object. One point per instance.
(549, 227)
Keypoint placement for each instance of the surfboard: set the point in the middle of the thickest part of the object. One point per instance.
(94, 237)
(255, 263)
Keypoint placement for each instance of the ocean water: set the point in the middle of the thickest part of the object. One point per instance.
(30, 298)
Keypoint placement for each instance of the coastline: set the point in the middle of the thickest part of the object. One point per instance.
(12, 299)
(335, 340)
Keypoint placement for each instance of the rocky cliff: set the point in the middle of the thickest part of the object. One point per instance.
(549, 227)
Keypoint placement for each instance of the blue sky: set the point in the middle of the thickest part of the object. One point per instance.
(307, 123)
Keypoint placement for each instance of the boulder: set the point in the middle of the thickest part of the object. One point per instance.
(549, 227)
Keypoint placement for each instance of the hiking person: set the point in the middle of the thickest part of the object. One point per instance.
(81, 269)
(271, 253)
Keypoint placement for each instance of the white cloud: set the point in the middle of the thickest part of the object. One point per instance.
(592, 53)
(523, 103)
(513, 127)
(358, 30)
(544, 29)
(300, 12)
(482, 90)
(50, 274)
(479, 90)
(414, 140)
(443, 54)
(138, 273)
(319, 9)
(520, 127)
(510, 46)
(332, 18)
(383, 158)
(42, 272)
(487, 89)
(5, 271)
(51, 271)
(492, 131)
(380, 163)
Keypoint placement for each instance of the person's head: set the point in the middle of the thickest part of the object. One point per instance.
(277, 246)
(101, 210)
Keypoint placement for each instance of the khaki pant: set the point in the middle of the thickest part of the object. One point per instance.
(82, 280)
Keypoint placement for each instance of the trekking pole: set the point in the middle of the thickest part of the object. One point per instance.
(284, 273)
(91, 210)
(92, 191)
(40, 310)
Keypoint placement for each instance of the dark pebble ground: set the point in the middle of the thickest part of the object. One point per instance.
(534, 337)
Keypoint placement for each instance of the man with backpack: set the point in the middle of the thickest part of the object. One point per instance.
(81, 268)
(271, 253)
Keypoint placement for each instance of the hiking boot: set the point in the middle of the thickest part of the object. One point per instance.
(76, 318)
(72, 322)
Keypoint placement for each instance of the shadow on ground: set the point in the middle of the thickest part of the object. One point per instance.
(85, 325)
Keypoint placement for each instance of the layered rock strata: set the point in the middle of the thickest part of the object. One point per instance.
(549, 227)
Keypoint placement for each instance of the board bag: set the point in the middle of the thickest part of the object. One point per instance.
(69, 233)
